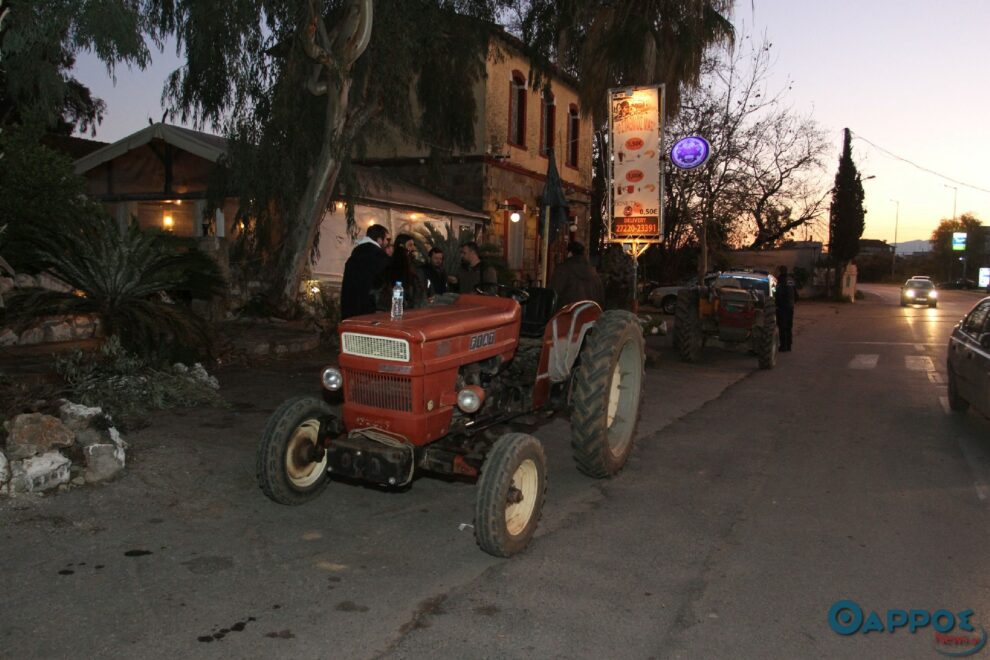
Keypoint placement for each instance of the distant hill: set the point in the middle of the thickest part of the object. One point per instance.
(909, 247)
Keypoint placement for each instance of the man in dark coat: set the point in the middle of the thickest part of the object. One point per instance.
(786, 297)
(361, 273)
(574, 279)
(475, 272)
(434, 273)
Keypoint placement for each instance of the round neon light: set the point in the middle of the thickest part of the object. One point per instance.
(690, 152)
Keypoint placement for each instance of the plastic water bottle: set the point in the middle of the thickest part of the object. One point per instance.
(397, 297)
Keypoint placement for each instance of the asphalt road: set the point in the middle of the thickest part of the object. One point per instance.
(753, 501)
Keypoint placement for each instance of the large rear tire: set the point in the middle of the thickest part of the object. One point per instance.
(688, 339)
(291, 467)
(766, 339)
(511, 490)
(606, 394)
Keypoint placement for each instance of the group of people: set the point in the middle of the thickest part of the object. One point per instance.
(375, 265)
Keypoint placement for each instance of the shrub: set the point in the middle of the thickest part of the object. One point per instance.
(132, 279)
(128, 386)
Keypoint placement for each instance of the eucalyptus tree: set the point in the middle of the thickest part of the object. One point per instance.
(300, 85)
(39, 42)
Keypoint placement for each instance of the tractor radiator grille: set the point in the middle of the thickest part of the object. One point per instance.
(372, 346)
(378, 391)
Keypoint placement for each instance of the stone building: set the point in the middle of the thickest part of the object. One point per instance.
(504, 172)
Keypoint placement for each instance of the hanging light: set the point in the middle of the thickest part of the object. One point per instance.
(167, 221)
(515, 216)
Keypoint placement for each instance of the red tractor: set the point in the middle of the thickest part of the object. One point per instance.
(436, 391)
(737, 308)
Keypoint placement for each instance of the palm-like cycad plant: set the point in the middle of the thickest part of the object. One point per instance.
(127, 278)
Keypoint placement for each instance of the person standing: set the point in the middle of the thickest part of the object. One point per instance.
(400, 268)
(362, 272)
(434, 273)
(475, 272)
(574, 279)
(786, 298)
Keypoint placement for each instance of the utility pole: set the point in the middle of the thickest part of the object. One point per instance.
(955, 193)
(893, 259)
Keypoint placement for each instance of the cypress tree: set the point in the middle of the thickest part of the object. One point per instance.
(846, 214)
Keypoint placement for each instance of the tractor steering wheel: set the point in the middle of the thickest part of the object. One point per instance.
(492, 289)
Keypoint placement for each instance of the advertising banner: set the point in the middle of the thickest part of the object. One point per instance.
(959, 241)
(635, 144)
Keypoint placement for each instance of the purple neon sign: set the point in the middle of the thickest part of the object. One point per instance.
(690, 152)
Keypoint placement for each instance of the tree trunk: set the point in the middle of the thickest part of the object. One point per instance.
(333, 54)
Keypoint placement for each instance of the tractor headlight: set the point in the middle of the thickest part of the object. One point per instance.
(332, 379)
(470, 399)
(909, 293)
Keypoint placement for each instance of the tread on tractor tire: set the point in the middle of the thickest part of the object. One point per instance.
(511, 490)
(688, 338)
(766, 339)
(605, 394)
(956, 402)
(285, 471)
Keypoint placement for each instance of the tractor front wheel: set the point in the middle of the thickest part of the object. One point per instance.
(511, 489)
(688, 339)
(605, 394)
(766, 339)
(291, 466)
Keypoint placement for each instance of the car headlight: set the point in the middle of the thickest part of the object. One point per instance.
(332, 379)
(933, 294)
(909, 293)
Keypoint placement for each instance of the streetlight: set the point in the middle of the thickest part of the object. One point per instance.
(955, 192)
(897, 217)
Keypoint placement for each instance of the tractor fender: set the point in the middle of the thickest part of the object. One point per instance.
(566, 332)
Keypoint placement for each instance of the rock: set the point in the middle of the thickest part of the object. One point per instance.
(6, 284)
(103, 462)
(58, 332)
(35, 433)
(52, 283)
(8, 337)
(31, 336)
(24, 281)
(39, 473)
(119, 443)
(4, 470)
(79, 481)
(77, 416)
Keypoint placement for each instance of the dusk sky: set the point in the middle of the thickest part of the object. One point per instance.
(909, 76)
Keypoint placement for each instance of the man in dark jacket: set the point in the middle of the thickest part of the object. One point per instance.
(434, 273)
(475, 272)
(361, 273)
(574, 279)
(786, 297)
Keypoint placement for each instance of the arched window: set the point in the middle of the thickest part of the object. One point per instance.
(573, 135)
(517, 109)
(547, 123)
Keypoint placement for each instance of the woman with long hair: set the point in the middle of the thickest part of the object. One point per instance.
(401, 269)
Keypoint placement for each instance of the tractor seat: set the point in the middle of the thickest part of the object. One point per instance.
(537, 311)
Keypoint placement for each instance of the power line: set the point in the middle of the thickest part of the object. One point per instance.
(915, 165)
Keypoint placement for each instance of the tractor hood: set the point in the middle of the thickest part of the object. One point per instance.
(467, 315)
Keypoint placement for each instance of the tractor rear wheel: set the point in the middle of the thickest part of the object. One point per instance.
(511, 489)
(688, 339)
(291, 466)
(766, 339)
(606, 393)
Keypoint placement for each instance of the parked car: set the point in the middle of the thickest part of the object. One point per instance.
(664, 298)
(958, 284)
(919, 292)
(968, 361)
